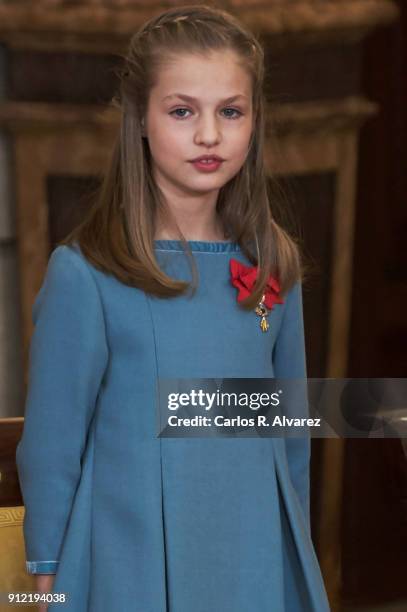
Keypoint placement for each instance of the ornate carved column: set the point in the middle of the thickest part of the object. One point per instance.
(60, 56)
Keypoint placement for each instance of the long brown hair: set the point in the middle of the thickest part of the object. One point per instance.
(117, 234)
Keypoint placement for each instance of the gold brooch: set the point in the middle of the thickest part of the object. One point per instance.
(262, 311)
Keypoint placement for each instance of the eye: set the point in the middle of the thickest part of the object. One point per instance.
(234, 110)
(231, 113)
(176, 110)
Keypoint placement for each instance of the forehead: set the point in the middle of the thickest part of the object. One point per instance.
(194, 73)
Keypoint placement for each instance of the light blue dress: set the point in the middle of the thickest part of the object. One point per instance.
(130, 522)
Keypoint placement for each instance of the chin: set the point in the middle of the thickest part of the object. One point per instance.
(208, 182)
(202, 188)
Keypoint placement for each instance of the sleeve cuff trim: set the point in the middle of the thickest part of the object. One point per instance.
(41, 567)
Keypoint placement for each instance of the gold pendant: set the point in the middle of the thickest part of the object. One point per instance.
(262, 311)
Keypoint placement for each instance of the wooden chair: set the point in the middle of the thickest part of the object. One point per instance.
(13, 576)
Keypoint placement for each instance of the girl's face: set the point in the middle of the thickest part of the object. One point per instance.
(191, 113)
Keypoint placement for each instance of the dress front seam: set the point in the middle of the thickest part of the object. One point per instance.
(148, 300)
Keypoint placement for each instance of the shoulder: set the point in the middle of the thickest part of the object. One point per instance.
(68, 257)
(293, 295)
(293, 304)
(68, 266)
(68, 280)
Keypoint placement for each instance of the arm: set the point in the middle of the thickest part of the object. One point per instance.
(68, 357)
(290, 362)
(44, 584)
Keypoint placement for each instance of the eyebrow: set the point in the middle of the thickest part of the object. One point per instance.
(191, 99)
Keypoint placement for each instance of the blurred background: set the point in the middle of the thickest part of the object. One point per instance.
(337, 109)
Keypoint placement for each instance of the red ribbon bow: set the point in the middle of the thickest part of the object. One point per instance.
(243, 278)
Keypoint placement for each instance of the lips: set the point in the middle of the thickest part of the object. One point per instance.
(207, 159)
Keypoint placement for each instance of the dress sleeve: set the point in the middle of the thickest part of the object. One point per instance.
(289, 360)
(67, 360)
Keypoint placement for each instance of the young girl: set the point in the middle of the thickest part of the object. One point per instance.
(117, 518)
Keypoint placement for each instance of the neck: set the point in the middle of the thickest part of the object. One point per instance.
(191, 214)
(191, 229)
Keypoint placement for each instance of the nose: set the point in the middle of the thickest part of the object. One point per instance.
(207, 131)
